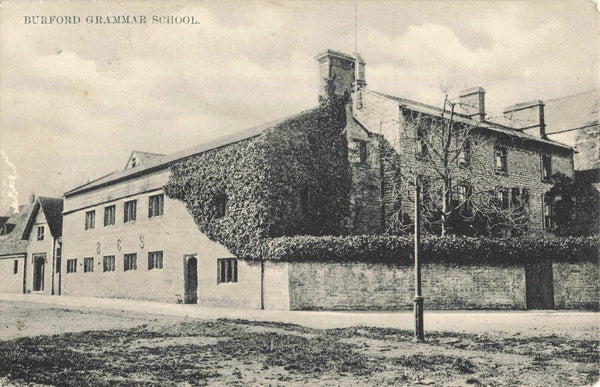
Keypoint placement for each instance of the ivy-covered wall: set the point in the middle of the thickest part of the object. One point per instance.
(293, 179)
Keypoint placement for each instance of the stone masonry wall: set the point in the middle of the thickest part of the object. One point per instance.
(352, 285)
(174, 233)
(576, 285)
(11, 282)
(383, 117)
(365, 194)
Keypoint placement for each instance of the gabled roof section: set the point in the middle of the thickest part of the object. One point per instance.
(138, 158)
(485, 125)
(162, 162)
(52, 208)
(14, 242)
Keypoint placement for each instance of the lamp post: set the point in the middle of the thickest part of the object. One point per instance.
(418, 300)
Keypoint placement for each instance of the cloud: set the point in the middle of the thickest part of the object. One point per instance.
(74, 100)
(9, 197)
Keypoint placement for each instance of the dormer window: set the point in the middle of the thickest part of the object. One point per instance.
(133, 162)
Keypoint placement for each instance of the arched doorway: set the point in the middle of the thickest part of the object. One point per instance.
(190, 279)
(39, 261)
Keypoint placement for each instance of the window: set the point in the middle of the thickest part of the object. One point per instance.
(546, 167)
(227, 270)
(88, 265)
(58, 257)
(133, 162)
(90, 219)
(464, 157)
(221, 206)
(422, 150)
(547, 212)
(40, 233)
(16, 267)
(109, 215)
(500, 159)
(130, 262)
(304, 201)
(130, 211)
(515, 197)
(525, 198)
(358, 151)
(71, 265)
(156, 205)
(502, 198)
(155, 260)
(462, 193)
(108, 263)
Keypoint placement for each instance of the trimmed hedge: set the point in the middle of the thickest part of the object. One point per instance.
(450, 249)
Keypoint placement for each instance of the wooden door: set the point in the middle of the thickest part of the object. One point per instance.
(190, 278)
(539, 285)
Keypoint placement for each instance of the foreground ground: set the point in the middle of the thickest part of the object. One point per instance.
(115, 347)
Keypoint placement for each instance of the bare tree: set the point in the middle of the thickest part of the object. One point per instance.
(460, 193)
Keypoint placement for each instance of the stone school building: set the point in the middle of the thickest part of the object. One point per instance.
(122, 236)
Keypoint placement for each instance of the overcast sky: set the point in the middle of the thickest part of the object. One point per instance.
(76, 99)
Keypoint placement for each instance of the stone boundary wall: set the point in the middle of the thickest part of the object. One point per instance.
(355, 285)
(576, 285)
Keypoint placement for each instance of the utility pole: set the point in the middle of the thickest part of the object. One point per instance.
(418, 300)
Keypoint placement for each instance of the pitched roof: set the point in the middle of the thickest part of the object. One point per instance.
(157, 163)
(572, 112)
(485, 125)
(53, 208)
(14, 242)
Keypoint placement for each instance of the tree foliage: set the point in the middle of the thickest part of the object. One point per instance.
(291, 179)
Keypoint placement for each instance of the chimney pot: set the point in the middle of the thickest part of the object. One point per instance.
(528, 117)
(342, 66)
(472, 103)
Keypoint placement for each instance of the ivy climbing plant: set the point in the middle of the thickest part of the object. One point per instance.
(292, 179)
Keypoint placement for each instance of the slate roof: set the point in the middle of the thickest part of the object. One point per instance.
(573, 111)
(486, 125)
(13, 243)
(53, 208)
(157, 163)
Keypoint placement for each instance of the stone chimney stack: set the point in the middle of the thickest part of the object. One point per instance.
(528, 117)
(342, 66)
(471, 102)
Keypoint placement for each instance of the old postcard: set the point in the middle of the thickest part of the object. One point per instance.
(299, 193)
